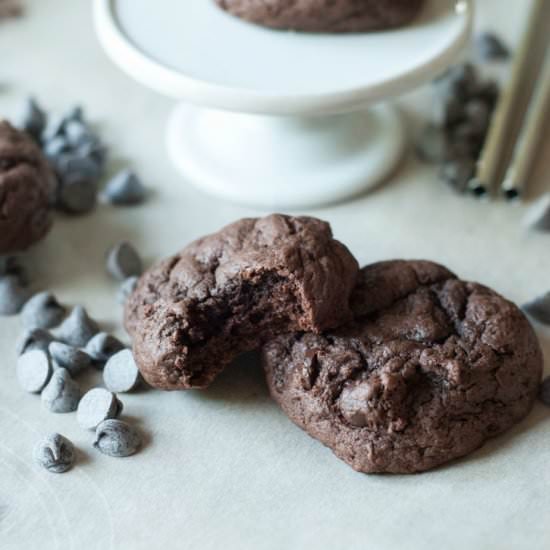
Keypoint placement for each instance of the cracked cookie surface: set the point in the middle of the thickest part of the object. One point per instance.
(325, 15)
(431, 367)
(26, 185)
(229, 292)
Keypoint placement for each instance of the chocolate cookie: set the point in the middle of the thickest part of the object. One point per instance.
(227, 293)
(26, 185)
(431, 368)
(325, 15)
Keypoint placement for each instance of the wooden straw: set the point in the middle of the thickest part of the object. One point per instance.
(490, 162)
(517, 175)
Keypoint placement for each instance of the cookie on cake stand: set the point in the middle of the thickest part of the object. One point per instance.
(274, 118)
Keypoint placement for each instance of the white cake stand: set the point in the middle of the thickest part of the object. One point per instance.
(278, 119)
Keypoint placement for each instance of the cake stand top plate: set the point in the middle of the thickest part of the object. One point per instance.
(194, 51)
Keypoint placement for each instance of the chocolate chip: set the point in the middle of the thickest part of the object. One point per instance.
(488, 92)
(457, 173)
(433, 145)
(117, 438)
(124, 189)
(34, 339)
(538, 215)
(4, 263)
(97, 406)
(34, 370)
(126, 289)
(123, 261)
(78, 329)
(103, 346)
(544, 391)
(77, 132)
(9, 265)
(460, 81)
(77, 195)
(95, 150)
(69, 357)
(62, 394)
(491, 48)
(478, 115)
(32, 118)
(462, 149)
(55, 453)
(75, 113)
(42, 311)
(121, 373)
(468, 132)
(13, 295)
(465, 137)
(539, 308)
(55, 147)
(54, 127)
(447, 111)
(78, 167)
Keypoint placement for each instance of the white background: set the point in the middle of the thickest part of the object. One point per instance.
(224, 468)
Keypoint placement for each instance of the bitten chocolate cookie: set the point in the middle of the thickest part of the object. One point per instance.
(325, 15)
(431, 368)
(227, 293)
(26, 185)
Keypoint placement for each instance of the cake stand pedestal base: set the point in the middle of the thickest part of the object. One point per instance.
(285, 162)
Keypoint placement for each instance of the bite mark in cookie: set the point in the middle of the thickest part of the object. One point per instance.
(230, 292)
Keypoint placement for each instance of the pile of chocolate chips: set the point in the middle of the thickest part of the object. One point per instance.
(78, 157)
(464, 103)
(463, 108)
(56, 348)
